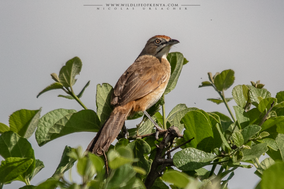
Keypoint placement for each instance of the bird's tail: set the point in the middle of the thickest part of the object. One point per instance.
(109, 131)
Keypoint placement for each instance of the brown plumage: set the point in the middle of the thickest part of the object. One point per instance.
(139, 87)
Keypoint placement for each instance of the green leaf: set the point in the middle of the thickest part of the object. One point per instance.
(139, 170)
(185, 61)
(120, 177)
(272, 122)
(255, 152)
(14, 167)
(50, 183)
(224, 140)
(68, 72)
(191, 158)
(273, 177)
(177, 61)
(256, 95)
(225, 120)
(38, 166)
(159, 184)
(55, 77)
(242, 120)
(265, 104)
(216, 141)
(219, 101)
(134, 183)
(175, 110)
(103, 99)
(264, 134)
(159, 118)
(280, 127)
(83, 90)
(85, 168)
(4, 128)
(224, 80)
(238, 138)
(53, 86)
(279, 109)
(177, 178)
(177, 113)
(205, 84)
(61, 122)
(141, 149)
(198, 126)
(265, 164)
(146, 127)
(12, 145)
(120, 157)
(250, 131)
(240, 95)
(66, 96)
(98, 164)
(280, 96)
(280, 143)
(66, 162)
(48, 126)
(24, 122)
(271, 143)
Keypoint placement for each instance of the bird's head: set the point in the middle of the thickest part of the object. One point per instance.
(158, 46)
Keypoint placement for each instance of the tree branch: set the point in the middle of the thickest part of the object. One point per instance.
(159, 164)
(266, 115)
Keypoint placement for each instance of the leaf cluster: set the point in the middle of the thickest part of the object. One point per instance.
(211, 145)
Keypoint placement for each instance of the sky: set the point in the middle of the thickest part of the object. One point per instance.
(38, 37)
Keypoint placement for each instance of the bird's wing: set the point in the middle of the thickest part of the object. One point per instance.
(141, 78)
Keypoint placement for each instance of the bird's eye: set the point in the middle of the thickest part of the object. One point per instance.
(157, 41)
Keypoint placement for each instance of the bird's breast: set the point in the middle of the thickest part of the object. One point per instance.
(149, 100)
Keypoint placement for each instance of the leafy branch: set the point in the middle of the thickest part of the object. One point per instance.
(210, 145)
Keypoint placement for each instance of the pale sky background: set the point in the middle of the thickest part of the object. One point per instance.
(38, 37)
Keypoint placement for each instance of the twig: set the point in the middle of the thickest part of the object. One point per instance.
(179, 146)
(146, 135)
(170, 134)
(168, 162)
(266, 115)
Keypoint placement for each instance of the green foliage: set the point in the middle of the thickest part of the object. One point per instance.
(206, 140)
(103, 98)
(273, 176)
(190, 159)
(224, 80)
(68, 72)
(61, 122)
(177, 61)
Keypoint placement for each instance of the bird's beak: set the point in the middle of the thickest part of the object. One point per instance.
(172, 42)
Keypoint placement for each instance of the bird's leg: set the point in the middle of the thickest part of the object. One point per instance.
(156, 125)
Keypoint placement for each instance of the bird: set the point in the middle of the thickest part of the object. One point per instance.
(138, 88)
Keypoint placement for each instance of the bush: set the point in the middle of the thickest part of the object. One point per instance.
(175, 157)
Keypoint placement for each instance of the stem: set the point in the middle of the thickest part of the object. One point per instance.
(222, 95)
(213, 167)
(27, 181)
(266, 115)
(164, 113)
(256, 163)
(76, 98)
(70, 175)
(220, 170)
